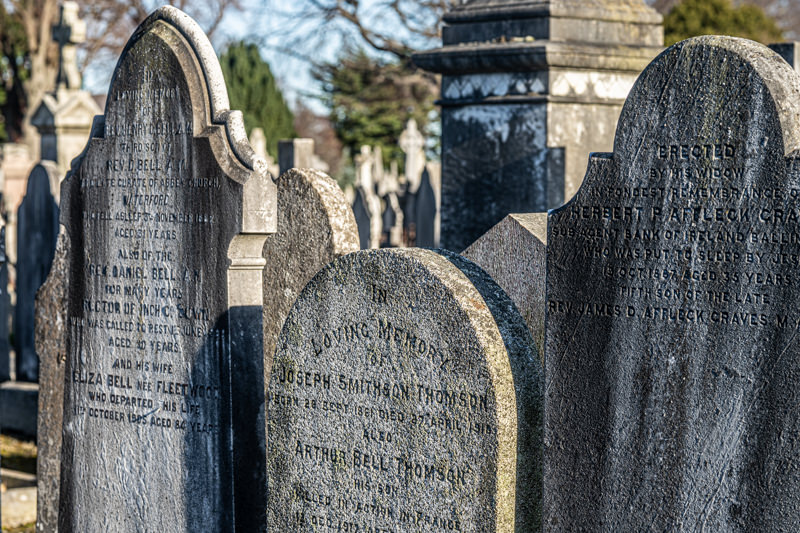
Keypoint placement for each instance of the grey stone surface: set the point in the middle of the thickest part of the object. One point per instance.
(671, 335)
(513, 253)
(37, 231)
(529, 88)
(51, 346)
(315, 226)
(167, 212)
(405, 396)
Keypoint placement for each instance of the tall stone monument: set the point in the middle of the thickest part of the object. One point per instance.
(405, 395)
(529, 88)
(166, 212)
(37, 229)
(64, 118)
(672, 318)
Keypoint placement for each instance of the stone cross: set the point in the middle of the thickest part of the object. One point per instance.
(68, 33)
(413, 143)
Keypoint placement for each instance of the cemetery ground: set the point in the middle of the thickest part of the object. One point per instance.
(18, 483)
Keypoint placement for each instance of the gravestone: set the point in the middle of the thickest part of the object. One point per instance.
(405, 396)
(513, 254)
(672, 306)
(315, 226)
(425, 210)
(5, 304)
(295, 153)
(51, 342)
(37, 230)
(166, 213)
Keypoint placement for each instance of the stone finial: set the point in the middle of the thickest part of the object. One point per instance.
(68, 33)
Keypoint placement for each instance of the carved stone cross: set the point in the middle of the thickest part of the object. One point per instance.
(68, 33)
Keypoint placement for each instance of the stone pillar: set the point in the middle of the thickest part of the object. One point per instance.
(529, 89)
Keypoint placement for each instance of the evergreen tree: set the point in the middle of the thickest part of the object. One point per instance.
(371, 100)
(252, 90)
(719, 17)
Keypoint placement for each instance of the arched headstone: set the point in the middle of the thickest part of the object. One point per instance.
(672, 350)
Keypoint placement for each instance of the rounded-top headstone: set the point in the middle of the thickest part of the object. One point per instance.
(405, 396)
(671, 335)
(166, 211)
(315, 226)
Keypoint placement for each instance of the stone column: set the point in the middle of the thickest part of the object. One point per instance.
(529, 89)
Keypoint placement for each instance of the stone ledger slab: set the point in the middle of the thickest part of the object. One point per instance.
(671, 336)
(513, 253)
(166, 212)
(405, 395)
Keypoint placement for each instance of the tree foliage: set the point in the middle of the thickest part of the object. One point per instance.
(719, 17)
(372, 99)
(252, 90)
(13, 72)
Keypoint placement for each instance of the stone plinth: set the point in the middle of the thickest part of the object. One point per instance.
(529, 89)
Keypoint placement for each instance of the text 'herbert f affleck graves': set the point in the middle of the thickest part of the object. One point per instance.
(404, 396)
(166, 214)
(672, 318)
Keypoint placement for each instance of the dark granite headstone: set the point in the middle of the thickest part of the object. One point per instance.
(167, 214)
(295, 153)
(51, 342)
(363, 220)
(425, 213)
(37, 231)
(405, 396)
(672, 352)
(5, 304)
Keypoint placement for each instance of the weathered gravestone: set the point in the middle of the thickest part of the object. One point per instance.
(166, 214)
(315, 226)
(51, 341)
(671, 339)
(513, 254)
(37, 230)
(405, 396)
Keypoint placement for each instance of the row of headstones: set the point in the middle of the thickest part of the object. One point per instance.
(393, 210)
(405, 391)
